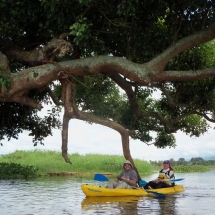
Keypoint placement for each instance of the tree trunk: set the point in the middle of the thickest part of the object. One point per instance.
(126, 150)
(69, 104)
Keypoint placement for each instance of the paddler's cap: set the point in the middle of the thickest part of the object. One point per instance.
(127, 162)
(166, 162)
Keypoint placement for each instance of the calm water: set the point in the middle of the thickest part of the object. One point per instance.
(63, 195)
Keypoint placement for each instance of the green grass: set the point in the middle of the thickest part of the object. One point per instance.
(193, 168)
(17, 171)
(89, 164)
(51, 161)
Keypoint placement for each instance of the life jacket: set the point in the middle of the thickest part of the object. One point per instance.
(165, 175)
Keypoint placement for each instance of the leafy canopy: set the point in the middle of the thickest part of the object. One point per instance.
(135, 30)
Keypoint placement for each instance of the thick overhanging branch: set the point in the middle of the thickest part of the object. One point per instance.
(24, 100)
(36, 56)
(190, 41)
(40, 76)
(190, 75)
(139, 73)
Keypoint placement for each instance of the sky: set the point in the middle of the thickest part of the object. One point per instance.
(86, 139)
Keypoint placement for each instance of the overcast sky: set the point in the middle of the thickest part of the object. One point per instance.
(85, 138)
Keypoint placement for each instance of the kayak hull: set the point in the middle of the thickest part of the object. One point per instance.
(91, 190)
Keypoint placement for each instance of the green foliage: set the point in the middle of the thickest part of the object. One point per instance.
(51, 161)
(4, 80)
(15, 118)
(132, 29)
(164, 140)
(17, 171)
(197, 164)
(98, 95)
(198, 57)
(193, 168)
(34, 163)
(194, 125)
(80, 30)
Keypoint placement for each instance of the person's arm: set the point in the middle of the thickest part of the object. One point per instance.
(132, 178)
(119, 177)
(129, 181)
(116, 179)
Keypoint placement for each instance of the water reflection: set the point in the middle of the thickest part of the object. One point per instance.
(131, 205)
(115, 205)
(168, 205)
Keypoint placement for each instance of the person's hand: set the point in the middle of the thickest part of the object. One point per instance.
(124, 178)
(160, 179)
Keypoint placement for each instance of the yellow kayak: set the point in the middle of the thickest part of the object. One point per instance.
(91, 190)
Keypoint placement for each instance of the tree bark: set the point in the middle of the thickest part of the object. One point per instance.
(68, 98)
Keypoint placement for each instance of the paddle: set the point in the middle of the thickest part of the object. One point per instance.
(100, 177)
(173, 180)
(142, 183)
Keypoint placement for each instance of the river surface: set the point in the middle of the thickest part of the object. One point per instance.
(63, 196)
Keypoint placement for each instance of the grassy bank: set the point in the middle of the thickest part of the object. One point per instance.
(193, 168)
(32, 163)
(51, 161)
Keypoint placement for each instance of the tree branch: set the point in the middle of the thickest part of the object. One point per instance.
(141, 74)
(24, 100)
(205, 116)
(54, 98)
(203, 36)
(36, 56)
(113, 125)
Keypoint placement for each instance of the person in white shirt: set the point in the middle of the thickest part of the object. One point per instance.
(163, 178)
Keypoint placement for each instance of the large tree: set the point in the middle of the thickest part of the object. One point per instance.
(87, 50)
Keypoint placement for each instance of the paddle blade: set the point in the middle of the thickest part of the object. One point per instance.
(173, 180)
(161, 195)
(178, 179)
(100, 177)
(142, 183)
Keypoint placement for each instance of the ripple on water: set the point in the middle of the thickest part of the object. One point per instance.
(39, 197)
(63, 196)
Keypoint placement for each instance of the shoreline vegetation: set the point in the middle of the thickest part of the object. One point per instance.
(31, 164)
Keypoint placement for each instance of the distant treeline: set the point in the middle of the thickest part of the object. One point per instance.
(182, 161)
